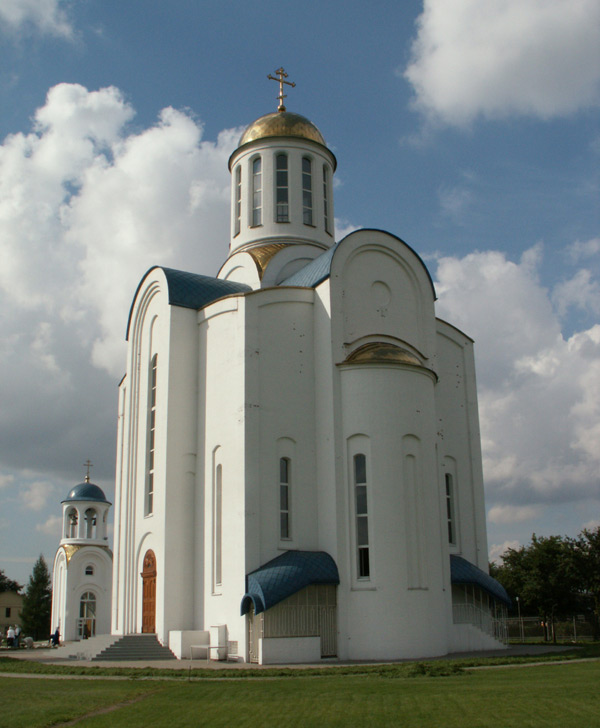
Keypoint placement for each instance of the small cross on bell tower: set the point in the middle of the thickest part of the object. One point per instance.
(282, 75)
(87, 465)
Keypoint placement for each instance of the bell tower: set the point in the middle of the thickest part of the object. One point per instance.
(82, 571)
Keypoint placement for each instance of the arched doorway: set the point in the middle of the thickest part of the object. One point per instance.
(86, 625)
(149, 593)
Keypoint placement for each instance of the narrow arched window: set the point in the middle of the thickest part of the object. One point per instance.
(362, 520)
(284, 498)
(282, 213)
(149, 495)
(450, 509)
(238, 198)
(218, 526)
(89, 570)
(307, 196)
(257, 191)
(326, 199)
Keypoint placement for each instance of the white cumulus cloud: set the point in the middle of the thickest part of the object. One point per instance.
(581, 292)
(35, 496)
(512, 514)
(494, 58)
(87, 205)
(539, 391)
(51, 526)
(46, 16)
(497, 549)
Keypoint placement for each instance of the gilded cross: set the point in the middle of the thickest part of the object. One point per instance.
(282, 75)
(87, 465)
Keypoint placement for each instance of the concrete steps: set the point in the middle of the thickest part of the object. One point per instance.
(84, 649)
(134, 647)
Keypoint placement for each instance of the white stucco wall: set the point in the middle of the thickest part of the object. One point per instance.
(70, 582)
(459, 440)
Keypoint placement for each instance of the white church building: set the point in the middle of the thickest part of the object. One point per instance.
(298, 456)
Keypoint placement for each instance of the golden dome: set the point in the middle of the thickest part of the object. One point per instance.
(382, 353)
(282, 124)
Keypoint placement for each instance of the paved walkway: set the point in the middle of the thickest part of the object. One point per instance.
(48, 656)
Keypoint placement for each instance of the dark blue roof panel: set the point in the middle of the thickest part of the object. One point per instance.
(191, 290)
(285, 575)
(314, 272)
(464, 572)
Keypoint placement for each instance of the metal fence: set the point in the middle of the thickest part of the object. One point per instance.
(532, 629)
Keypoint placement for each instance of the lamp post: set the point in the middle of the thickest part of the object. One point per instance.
(520, 620)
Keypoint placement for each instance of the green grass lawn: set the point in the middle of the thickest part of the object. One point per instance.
(537, 696)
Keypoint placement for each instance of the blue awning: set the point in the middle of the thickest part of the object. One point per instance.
(285, 575)
(464, 572)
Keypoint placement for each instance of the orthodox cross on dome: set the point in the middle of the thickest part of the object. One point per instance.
(282, 75)
(87, 465)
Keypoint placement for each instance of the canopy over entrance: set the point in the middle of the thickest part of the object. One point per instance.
(464, 572)
(285, 575)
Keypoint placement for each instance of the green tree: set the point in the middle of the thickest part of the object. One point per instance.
(587, 559)
(545, 578)
(35, 615)
(7, 584)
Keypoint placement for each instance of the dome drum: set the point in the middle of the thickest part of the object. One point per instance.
(282, 189)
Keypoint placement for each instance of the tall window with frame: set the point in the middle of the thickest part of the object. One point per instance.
(307, 195)
(218, 527)
(326, 199)
(362, 518)
(238, 199)
(149, 495)
(450, 509)
(257, 192)
(284, 498)
(282, 208)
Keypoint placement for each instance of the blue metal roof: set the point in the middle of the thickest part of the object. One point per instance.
(86, 492)
(191, 290)
(464, 572)
(285, 575)
(314, 272)
(319, 269)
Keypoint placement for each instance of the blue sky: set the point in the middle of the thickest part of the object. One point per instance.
(469, 128)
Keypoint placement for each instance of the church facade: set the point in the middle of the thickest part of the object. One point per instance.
(298, 461)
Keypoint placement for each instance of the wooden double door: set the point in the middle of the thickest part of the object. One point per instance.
(149, 593)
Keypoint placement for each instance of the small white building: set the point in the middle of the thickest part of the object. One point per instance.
(298, 461)
(82, 572)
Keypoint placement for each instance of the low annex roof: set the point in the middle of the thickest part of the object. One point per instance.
(285, 575)
(192, 290)
(464, 572)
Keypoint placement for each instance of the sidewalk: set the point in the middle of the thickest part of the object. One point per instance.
(48, 656)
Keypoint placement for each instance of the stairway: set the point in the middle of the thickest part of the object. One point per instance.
(133, 648)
